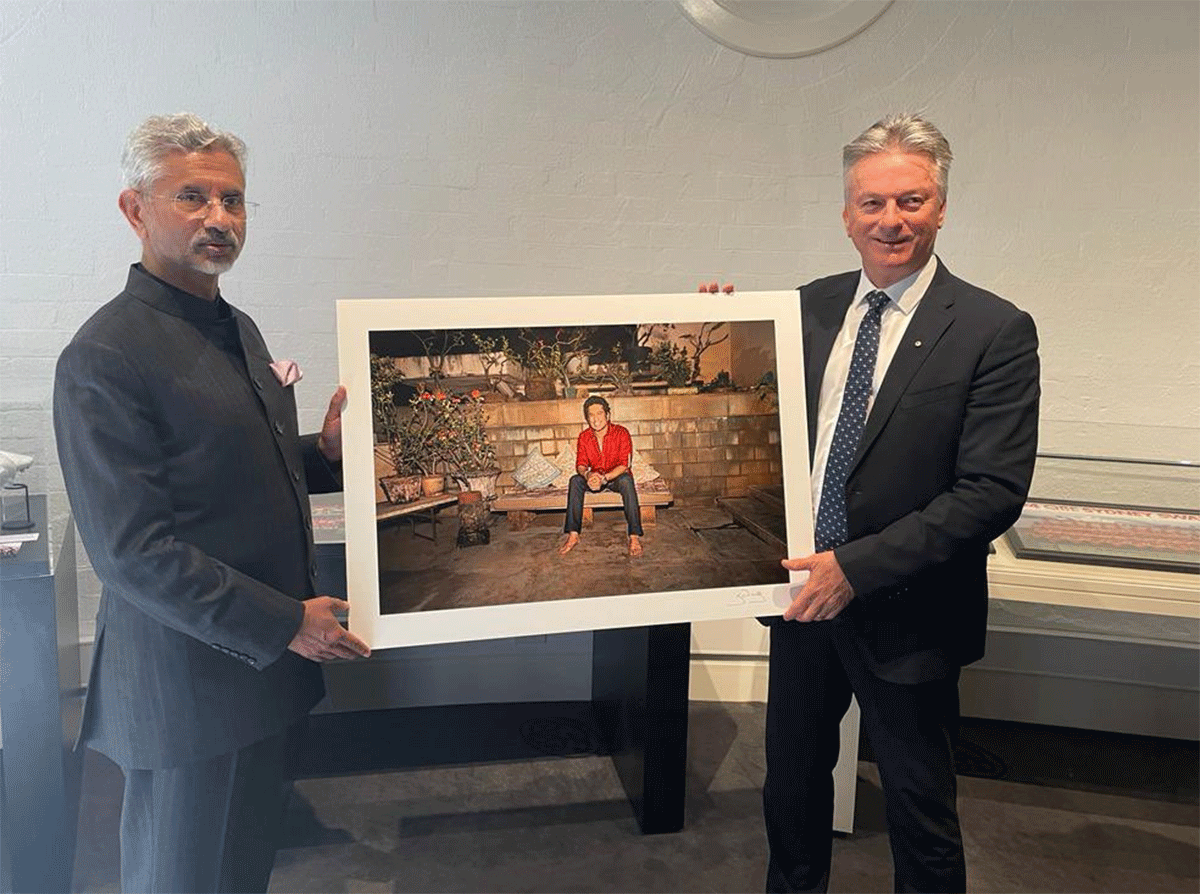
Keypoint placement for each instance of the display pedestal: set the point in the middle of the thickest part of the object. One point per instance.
(40, 707)
(640, 697)
(637, 715)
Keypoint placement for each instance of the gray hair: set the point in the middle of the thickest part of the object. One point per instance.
(904, 132)
(160, 135)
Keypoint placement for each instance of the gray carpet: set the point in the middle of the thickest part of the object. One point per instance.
(1048, 810)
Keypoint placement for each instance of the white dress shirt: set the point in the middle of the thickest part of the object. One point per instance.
(904, 297)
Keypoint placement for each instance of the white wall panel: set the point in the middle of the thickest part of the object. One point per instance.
(520, 148)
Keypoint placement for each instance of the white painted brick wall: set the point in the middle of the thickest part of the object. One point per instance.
(521, 148)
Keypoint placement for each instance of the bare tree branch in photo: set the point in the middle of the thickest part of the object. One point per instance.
(701, 341)
(438, 345)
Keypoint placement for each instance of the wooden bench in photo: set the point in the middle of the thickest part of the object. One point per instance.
(520, 505)
(423, 509)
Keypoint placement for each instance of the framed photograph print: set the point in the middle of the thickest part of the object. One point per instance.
(468, 418)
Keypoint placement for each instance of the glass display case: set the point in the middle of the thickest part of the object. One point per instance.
(1132, 503)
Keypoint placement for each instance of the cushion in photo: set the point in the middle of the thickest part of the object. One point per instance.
(641, 470)
(565, 461)
(535, 470)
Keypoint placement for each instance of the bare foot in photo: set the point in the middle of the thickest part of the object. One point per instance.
(635, 546)
(572, 540)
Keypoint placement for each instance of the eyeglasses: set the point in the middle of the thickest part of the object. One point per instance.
(190, 202)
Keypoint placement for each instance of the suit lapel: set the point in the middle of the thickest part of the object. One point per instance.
(823, 314)
(930, 321)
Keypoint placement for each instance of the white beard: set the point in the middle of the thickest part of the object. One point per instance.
(213, 268)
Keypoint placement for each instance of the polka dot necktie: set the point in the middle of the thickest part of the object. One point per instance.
(831, 528)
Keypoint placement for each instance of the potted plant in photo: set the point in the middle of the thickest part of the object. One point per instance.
(720, 382)
(422, 439)
(616, 372)
(391, 435)
(493, 354)
(671, 363)
(456, 428)
(550, 363)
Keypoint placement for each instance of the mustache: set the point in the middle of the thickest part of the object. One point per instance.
(216, 237)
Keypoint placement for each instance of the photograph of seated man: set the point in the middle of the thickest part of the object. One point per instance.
(602, 458)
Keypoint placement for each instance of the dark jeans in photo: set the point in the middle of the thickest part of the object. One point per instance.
(622, 484)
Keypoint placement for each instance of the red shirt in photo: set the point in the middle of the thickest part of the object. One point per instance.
(618, 449)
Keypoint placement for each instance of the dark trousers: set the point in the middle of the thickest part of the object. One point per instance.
(622, 484)
(814, 668)
(207, 826)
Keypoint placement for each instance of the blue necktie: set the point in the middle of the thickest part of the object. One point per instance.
(831, 528)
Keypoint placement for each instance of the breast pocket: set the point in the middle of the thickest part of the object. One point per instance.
(947, 391)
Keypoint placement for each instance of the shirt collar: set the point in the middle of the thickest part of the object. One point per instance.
(163, 296)
(905, 294)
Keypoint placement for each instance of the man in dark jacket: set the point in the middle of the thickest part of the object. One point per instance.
(189, 482)
(922, 410)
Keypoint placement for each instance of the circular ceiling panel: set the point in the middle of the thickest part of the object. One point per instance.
(782, 29)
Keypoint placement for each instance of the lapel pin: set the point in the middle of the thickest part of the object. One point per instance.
(917, 343)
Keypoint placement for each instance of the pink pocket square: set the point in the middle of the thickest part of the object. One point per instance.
(287, 372)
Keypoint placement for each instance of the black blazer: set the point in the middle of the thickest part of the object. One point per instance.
(187, 478)
(943, 468)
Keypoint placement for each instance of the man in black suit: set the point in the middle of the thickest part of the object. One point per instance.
(922, 413)
(189, 482)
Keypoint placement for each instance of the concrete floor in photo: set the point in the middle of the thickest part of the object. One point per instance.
(692, 546)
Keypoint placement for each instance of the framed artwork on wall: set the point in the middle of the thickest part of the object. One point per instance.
(462, 431)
